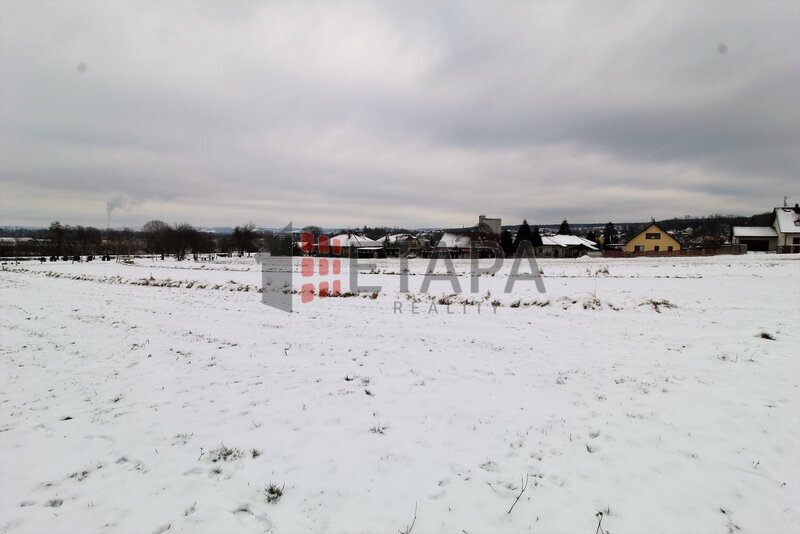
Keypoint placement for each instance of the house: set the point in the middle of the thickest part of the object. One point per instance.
(455, 244)
(564, 246)
(782, 236)
(342, 244)
(483, 239)
(757, 238)
(786, 222)
(399, 240)
(652, 239)
(361, 245)
(395, 244)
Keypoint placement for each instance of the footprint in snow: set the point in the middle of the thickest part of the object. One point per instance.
(592, 448)
(489, 466)
(436, 496)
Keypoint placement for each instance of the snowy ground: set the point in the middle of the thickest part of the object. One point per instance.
(121, 383)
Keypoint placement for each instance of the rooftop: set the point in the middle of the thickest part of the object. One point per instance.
(754, 231)
(788, 220)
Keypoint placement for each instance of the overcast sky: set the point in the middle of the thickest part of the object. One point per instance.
(408, 114)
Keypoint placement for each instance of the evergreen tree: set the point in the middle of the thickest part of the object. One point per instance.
(536, 239)
(523, 234)
(506, 242)
(591, 237)
(609, 235)
(564, 228)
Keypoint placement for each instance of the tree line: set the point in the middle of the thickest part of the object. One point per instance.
(180, 240)
(155, 237)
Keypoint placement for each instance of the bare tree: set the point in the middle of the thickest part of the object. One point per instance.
(184, 235)
(157, 237)
(57, 231)
(244, 238)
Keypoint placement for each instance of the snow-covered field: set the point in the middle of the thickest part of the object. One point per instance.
(165, 396)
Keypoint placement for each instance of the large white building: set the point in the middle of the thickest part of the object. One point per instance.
(786, 222)
(565, 246)
(783, 236)
(490, 225)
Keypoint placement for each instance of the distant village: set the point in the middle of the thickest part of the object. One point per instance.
(710, 237)
(777, 231)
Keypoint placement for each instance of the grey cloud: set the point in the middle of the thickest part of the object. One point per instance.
(397, 113)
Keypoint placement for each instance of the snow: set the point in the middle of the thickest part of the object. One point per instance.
(754, 231)
(640, 387)
(454, 241)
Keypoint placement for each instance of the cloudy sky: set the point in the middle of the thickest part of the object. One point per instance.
(412, 113)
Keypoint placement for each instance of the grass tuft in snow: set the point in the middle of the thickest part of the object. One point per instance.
(446, 300)
(592, 303)
(224, 454)
(658, 304)
(80, 476)
(410, 527)
(523, 485)
(766, 335)
(599, 516)
(273, 492)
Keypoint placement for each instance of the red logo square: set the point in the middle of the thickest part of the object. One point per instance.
(307, 267)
